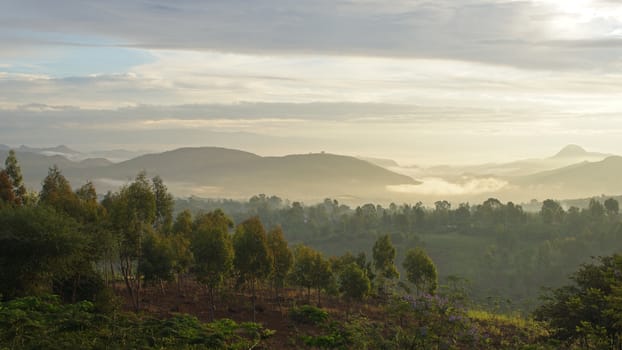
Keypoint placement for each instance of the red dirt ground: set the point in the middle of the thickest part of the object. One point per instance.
(193, 299)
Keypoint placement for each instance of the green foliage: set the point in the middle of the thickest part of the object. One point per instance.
(14, 173)
(282, 255)
(420, 271)
(56, 192)
(252, 258)
(37, 247)
(589, 311)
(384, 259)
(45, 323)
(183, 223)
(552, 212)
(308, 314)
(252, 255)
(163, 206)
(212, 250)
(354, 283)
(157, 258)
(7, 195)
(311, 270)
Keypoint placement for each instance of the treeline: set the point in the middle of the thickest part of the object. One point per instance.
(68, 243)
(506, 253)
(77, 245)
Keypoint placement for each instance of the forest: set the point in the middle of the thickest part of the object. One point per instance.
(137, 268)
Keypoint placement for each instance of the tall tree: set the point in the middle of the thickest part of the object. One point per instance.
(354, 283)
(213, 251)
(551, 212)
(383, 254)
(57, 193)
(7, 195)
(183, 223)
(37, 248)
(612, 206)
(311, 270)
(157, 260)
(133, 212)
(283, 258)
(11, 166)
(420, 271)
(164, 206)
(588, 312)
(252, 255)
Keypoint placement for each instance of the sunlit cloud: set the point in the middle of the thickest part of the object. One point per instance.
(440, 187)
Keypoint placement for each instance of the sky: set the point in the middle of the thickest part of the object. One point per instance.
(421, 82)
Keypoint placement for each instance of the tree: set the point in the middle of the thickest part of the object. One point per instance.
(38, 247)
(7, 195)
(12, 168)
(383, 254)
(551, 212)
(588, 311)
(133, 212)
(420, 271)
(212, 250)
(283, 258)
(612, 206)
(354, 283)
(596, 209)
(183, 223)
(156, 261)
(252, 256)
(56, 192)
(164, 206)
(311, 270)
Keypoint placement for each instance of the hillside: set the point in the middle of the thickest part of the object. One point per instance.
(220, 172)
(578, 180)
(568, 155)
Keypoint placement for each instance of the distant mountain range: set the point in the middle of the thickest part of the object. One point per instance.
(577, 180)
(573, 172)
(220, 172)
(568, 155)
(116, 155)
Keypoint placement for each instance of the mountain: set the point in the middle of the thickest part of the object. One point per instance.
(577, 152)
(220, 172)
(568, 155)
(578, 180)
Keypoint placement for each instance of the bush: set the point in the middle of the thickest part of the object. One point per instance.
(308, 314)
(46, 323)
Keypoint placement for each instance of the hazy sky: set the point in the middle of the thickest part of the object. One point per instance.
(417, 81)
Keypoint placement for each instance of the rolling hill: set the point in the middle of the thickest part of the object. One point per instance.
(578, 180)
(220, 172)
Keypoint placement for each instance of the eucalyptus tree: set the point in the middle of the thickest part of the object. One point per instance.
(253, 260)
(212, 250)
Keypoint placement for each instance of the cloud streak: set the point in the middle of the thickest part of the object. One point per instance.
(491, 31)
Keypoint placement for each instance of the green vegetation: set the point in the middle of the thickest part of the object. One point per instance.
(91, 255)
(46, 323)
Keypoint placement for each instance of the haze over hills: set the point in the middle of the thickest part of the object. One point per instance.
(568, 155)
(220, 172)
(573, 172)
(578, 180)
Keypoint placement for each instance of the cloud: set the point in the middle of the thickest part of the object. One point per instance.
(441, 187)
(445, 29)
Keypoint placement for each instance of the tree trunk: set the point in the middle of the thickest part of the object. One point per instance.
(212, 309)
(319, 297)
(253, 291)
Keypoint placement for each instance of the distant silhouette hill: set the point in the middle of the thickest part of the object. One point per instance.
(577, 180)
(227, 173)
(575, 151)
(570, 154)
